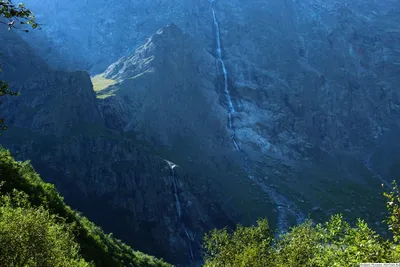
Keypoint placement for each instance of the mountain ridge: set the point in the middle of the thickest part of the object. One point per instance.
(313, 86)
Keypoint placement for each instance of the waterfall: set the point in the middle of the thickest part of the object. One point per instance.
(220, 65)
(177, 203)
(231, 108)
(179, 209)
(285, 207)
(190, 244)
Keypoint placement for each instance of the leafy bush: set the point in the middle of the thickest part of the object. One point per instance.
(393, 206)
(32, 237)
(247, 246)
(42, 200)
(334, 243)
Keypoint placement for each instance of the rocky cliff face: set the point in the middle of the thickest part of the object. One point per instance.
(168, 88)
(81, 33)
(127, 176)
(48, 98)
(312, 76)
(317, 82)
(310, 59)
(277, 108)
(309, 82)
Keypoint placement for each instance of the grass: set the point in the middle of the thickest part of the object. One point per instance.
(100, 82)
(103, 86)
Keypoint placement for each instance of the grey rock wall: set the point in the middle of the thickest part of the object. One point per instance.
(315, 85)
(117, 180)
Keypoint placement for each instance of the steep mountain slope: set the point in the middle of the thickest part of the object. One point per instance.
(167, 87)
(77, 34)
(95, 246)
(270, 108)
(323, 78)
(118, 179)
(309, 100)
(319, 81)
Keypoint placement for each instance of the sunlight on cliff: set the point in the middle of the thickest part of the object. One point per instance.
(100, 83)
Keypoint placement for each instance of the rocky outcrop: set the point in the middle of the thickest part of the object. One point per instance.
(314, 96)
(114, 175)
(314, 87)
(296, 67)
(48, 98)
(92, 34)
(319, 82)
(167, 87)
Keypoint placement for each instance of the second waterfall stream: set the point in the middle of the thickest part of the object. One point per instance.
(179, 209)
(285, 207)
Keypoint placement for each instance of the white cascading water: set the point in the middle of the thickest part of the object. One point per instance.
(179, 209)
(221, 66)
(177, 203)
(190, 243)
(285, 207)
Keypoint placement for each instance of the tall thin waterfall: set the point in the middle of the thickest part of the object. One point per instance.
(179, 209)
(221, 69)
(284, 206)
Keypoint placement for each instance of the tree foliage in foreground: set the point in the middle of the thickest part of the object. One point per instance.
(334, 243)
(32, 237)
(16, 16)
(41, 230)
(393, 206)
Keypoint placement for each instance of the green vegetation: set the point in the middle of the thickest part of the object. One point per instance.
(41, 230)
(100, 83)
(14, 16)
(247, 246)
(333, 243)
(323, 185)
(4, 90)
(33, 237)
(393, 206)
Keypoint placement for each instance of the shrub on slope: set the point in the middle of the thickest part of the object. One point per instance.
(20, 183)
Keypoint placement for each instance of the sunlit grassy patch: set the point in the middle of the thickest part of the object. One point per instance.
(101, 83)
